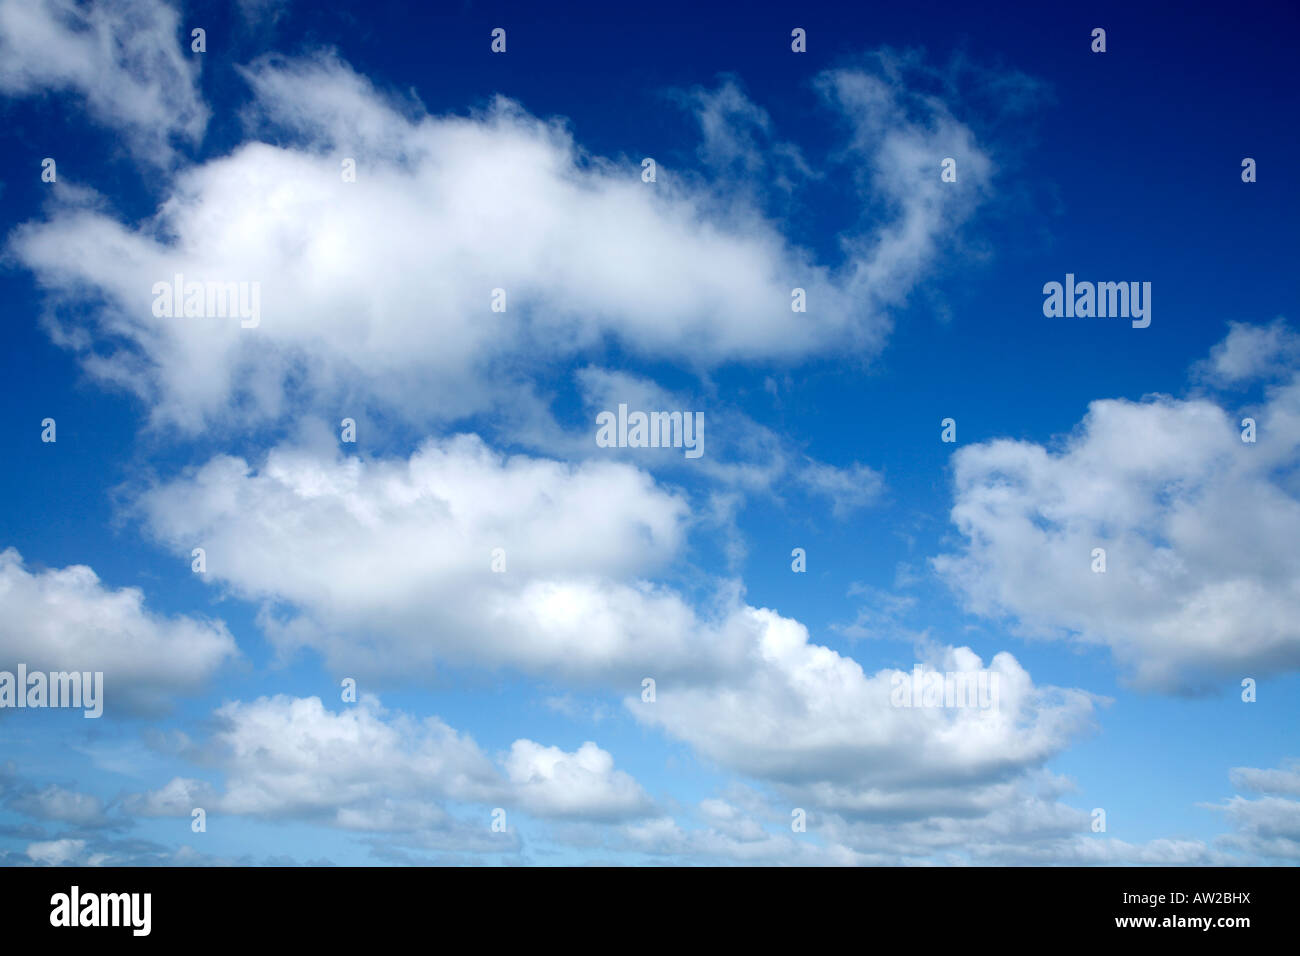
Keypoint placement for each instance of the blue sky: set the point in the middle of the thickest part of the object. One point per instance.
(522, 689)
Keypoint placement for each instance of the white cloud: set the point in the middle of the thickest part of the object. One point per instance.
(1202, 581)
(55, 852)
(552, 783)
(383, 285)
(814, 722)
(1251, 352)
(66, 620)
(362, 769)
(122, 58)
(370, 770)
(388, 563)
(290, 755)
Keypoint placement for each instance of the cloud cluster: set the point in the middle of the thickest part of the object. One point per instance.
(1202, 579)
(370, 770)
(381, 291)
(390, 554)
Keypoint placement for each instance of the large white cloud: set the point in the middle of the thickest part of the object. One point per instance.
(386, 565)
(814, 723)
(1202, 580)
(122, 58)
(383, 286)
(67, 620)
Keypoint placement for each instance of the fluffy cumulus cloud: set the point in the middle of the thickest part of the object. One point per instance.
(122, 59)
(385, 285)
(370, 770)
(812, 722)
(552, 783)
(360, 769)
(65, 619)
(387, 565)
(1202, 580)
